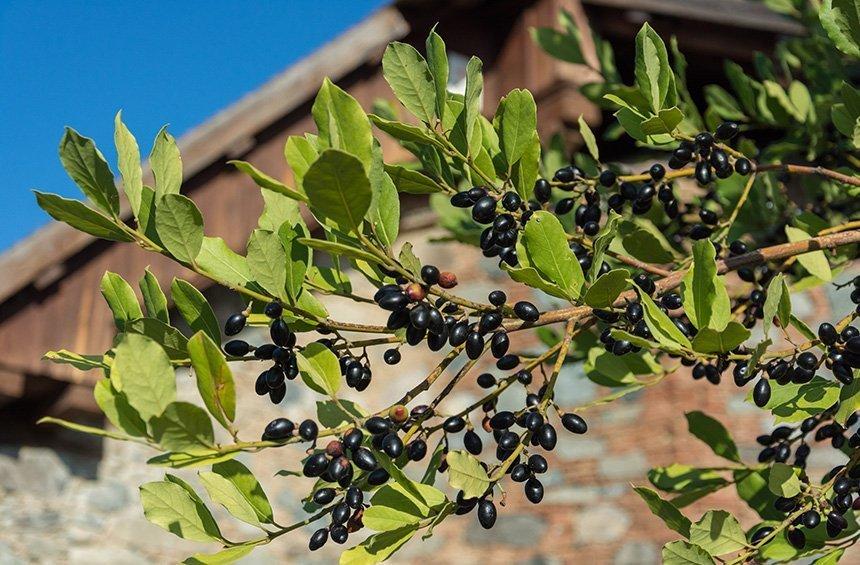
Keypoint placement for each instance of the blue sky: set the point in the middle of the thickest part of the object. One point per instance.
(76, 63)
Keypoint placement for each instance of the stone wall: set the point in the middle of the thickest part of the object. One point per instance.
(75, 500)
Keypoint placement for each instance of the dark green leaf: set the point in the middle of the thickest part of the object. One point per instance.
(606, 289)
(714, 434)
(664, 510)
(338, 190)
(409, 77)
(142, 371)
(194, 309)
(87, 167)
(214, 379)
(80, 216)
(121, 299)
(269, 183)
(183, 427)
(153, 297)
(169, 506)
(180, 226)
(128, 157)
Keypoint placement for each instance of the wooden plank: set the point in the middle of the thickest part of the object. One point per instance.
(735, 13)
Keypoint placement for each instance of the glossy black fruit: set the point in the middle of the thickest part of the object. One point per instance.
(542, 190)
(430, 274)
(391, 357)
(315, 465)
(761, 393)
(607, 178)
(454, 424)
(796, 538)
(502, 420)
(726, 131)
(534, 490)
(416, 450)
(486, 380)
(237, 348)
(308, 430)
(235, 324)
(318, 539)
(484, 210)
(364, 459)
(472, 442)
(474, 345)
(547, 437)
(526, 311)
(574, 423)
(811, 519)
(743, 166)
(511, 201)
(486, 514)
(324, 495)
(281, 334)
(537, 463)
(279, 428)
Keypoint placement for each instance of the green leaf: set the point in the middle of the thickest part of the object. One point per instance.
(472, 98)
(169, 506)
(298, 256)
(404, 132)
(557, 44)
(247, 486)
(412, 182)
(813, 261)
(718, 533)
(683, 553)
(319, 368)
(85, 165)
(166, 164)
(263, 180)
(517, 116)
(708, 340)
(849, 401)
(588, 138)
(714, 434)
(142, 371)
(661, 326)
(841, 20)
(466, 473)
(793, 402)
(216, 259)
(338, 190)
(607, 288)
(684, 478)
(183, 427)
(300, 153)
(117, 409)
(752, 488)
(378, 547)
(777, 304)
(530, 277)
(783, 480)
(386, 518)
(706, 301)
(332, 414)
(339, 249)
(277, 210)
(180, 226)
(665, 510)
(153, 297)
(830, 558)
(385, 212)
(128, 158)
(100, 432)
(225, 493)
(606, 369)
(601, 244)
(120, 298)
(407, 73)
(437, 62)
(664, 122)
(223, 557)
(653, 73)
(76, 360)
(194, 309)
(188, 460)
(525, 172)
(169, 338)
(214, 379)
(645, 245)
(267, 261)
(80, 216)
(341, 122)
(545, 242)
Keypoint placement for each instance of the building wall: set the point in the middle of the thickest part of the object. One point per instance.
(76, 501)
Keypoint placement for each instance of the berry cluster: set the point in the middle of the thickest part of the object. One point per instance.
(272, 381)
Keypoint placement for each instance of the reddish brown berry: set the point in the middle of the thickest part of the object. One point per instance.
(447, 279)
(415, 292)
(334, 448)
(398, 414)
